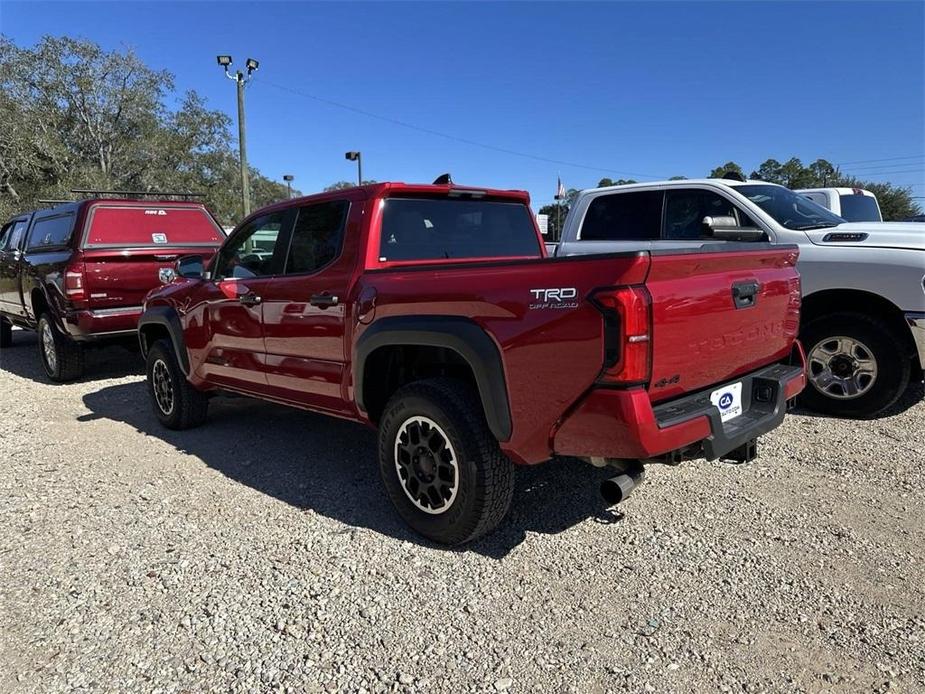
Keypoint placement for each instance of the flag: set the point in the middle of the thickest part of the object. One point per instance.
(560, 190)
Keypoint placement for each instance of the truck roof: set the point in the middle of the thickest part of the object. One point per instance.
(680, 183)
(387, 188)
(75, 205)
(838, 191)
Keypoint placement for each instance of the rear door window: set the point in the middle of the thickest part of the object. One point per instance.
(317, 236)
(439, 228)
(623, 217)
(133, 226)
(49, 233)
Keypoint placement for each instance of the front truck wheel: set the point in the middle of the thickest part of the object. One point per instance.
(62, 358)
(176, 403)
(440, 463)
(6, 333)
(857, 366)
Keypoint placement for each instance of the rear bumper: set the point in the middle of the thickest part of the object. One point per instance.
(111, 323)
(916, 323)
(625, 424)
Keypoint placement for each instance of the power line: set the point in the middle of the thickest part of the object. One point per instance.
(885, 167)
(868, 161)
(437, 133)
(890, 173)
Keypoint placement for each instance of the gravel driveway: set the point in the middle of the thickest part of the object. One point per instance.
(260, 553)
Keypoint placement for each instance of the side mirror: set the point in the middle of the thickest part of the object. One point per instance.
(727, 229)
(191, 267)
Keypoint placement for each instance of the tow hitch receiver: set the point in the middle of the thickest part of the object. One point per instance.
(745, 453)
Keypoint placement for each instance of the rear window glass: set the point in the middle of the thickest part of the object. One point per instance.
(623, 217)
(859, 208)
(422, 229)
(51, 232)
(152, 226)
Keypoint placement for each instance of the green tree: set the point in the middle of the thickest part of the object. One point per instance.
(341, 185)
(896, 202)
(76, 116)
(605, 182)
(720, 171)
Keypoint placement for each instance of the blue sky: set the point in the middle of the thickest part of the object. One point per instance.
(622, 89)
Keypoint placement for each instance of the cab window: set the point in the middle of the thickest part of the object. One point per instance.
(255, 250)
(51, 232)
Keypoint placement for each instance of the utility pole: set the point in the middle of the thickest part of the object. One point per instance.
(241, 79)
(289, 178)
(358, 158)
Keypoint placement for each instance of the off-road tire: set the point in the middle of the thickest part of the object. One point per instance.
(485, 482)
(893, 360)
(6, 333)
(189, 407)
(67, 355)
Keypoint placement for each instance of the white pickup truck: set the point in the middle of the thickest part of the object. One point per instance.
(863, 316)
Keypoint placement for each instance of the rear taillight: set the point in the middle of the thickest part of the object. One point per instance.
(627, 335)
(74, 287)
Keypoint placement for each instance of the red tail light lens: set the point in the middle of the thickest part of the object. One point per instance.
(627, 335)
(74, 282)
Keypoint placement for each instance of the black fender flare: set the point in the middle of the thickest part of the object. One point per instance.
(165, 317)
(458, 334)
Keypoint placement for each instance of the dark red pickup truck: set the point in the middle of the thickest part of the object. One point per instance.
(78, 272)
(433, 313)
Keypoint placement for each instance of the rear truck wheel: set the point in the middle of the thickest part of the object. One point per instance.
(441, 465)
(62, 358)
(857, 366)
(6, 333)
(177, 404)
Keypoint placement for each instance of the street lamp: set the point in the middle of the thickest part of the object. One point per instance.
(355, 156)
(241, 79)
(289, 178)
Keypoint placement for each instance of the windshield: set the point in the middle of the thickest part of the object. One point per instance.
(859, 208)
(789, 209)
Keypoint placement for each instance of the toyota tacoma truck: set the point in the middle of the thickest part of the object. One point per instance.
(863, 314)
(77, 273)
(432, 313)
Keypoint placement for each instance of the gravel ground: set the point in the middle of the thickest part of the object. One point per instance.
(260, 553)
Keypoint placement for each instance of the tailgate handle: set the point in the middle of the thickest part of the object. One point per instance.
(250, 299)
(745, 294)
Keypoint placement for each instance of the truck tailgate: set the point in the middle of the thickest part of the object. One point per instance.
(717, 315)
(122, 277)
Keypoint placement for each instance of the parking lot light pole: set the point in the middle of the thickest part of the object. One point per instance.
(241, 79)
(357, 157)
(289, 178)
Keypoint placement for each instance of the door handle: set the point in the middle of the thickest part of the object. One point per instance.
(324, 300)
(250, 299)
(745, 294)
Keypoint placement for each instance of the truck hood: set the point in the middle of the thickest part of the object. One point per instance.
(906, 235)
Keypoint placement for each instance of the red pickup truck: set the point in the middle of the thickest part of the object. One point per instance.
(433, 313)
(78, 272)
